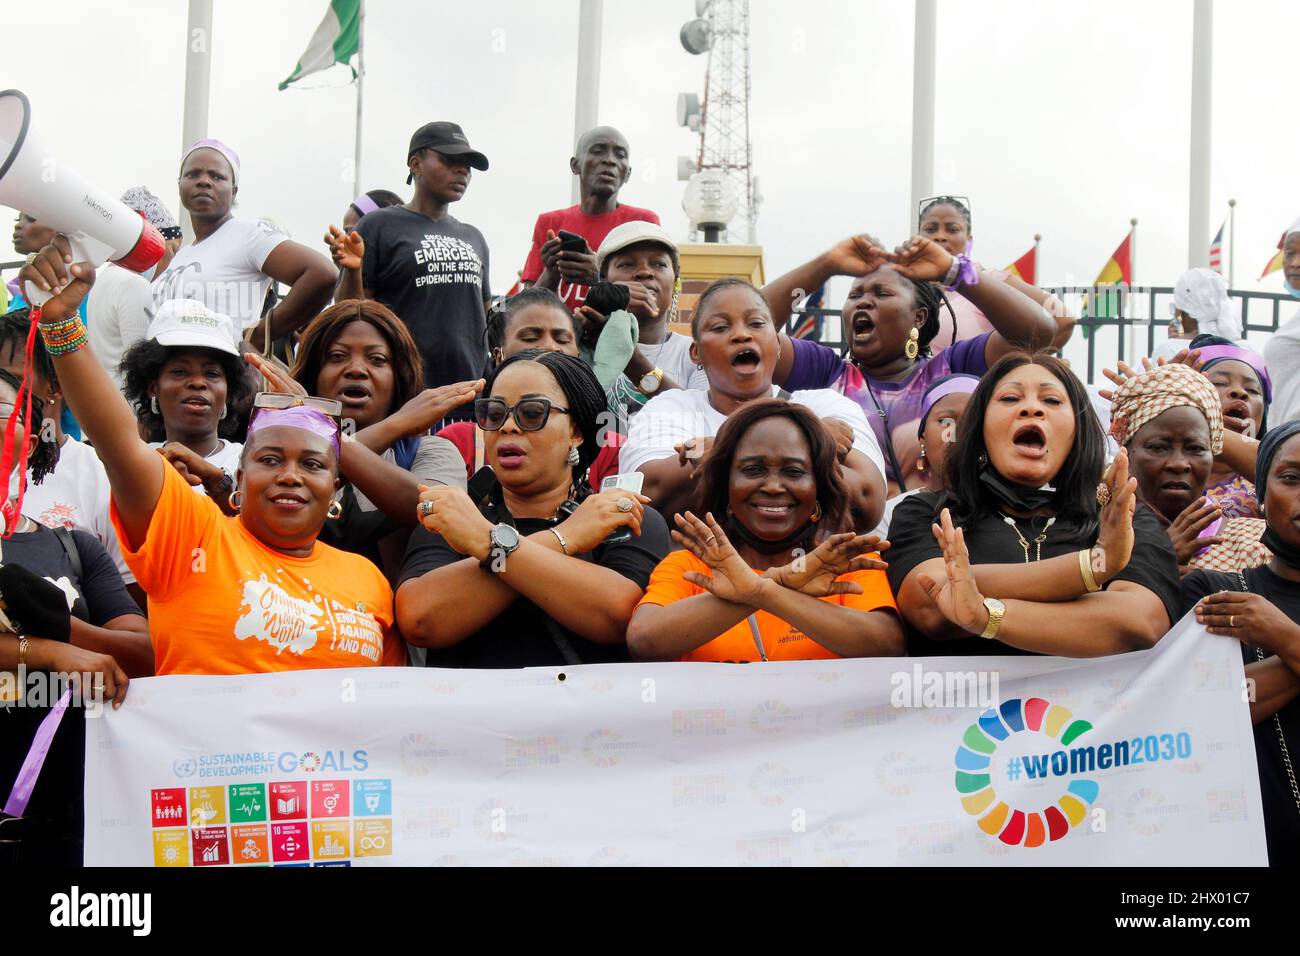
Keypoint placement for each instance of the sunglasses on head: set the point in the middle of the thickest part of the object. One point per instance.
(961, 202)
(329, 406)
(530, 414)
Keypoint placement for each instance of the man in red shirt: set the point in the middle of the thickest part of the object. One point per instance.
(602, 165)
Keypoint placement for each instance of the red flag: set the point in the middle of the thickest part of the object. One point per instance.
(1026, 267)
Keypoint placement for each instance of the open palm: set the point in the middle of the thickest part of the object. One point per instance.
(957, 597)
(815, 573)
(733, 580)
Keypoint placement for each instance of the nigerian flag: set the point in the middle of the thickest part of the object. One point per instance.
(335, 40)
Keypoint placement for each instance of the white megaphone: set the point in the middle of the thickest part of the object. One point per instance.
(99, 226)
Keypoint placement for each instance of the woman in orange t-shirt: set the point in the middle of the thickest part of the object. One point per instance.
(772, 471)
(247, 594)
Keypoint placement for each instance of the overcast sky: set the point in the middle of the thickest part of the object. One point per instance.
(1055, 117)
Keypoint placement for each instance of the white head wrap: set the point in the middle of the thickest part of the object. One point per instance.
(1203, 295)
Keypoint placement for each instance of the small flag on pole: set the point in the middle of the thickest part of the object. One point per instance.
(1118, 270)
(807, 325)
(1026, 267)
(335, 41)
(1216, 251)
(1276, 262)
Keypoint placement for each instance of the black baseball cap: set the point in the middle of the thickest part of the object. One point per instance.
(448, 139)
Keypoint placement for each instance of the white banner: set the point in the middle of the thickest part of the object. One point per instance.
(1144, 758)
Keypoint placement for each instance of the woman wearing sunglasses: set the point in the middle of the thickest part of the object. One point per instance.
(544, 572)
(227, 595)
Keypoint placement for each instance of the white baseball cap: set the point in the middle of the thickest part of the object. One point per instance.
(629, 234)
(188, 322)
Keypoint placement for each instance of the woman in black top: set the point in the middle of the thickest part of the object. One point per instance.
(65, 596)
(1025, 553)
(529, 578)
(1261, 608)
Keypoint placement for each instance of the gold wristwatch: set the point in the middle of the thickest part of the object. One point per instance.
(651, 381)
(997, 610)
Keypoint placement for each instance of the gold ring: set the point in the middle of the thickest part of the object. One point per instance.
(426, 508)
(625, 505)
(1103, 494)
(1232, 620)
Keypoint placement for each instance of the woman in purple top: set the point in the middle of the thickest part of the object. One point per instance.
(890, 316)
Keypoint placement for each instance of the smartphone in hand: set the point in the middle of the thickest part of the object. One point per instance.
(572, 242)
(631, 481)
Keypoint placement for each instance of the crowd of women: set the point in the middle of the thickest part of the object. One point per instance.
(946, 487)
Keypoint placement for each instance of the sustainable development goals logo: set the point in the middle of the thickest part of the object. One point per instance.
(1011, 726)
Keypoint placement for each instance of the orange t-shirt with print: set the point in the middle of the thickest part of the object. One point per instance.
(221, 602)
(782, 641)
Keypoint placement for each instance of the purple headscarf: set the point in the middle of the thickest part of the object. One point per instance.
(300, 416)
(232, 157)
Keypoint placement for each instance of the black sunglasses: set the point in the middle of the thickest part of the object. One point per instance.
(962, 203)
(530, 414)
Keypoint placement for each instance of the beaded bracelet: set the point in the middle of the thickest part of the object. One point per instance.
(63, 337)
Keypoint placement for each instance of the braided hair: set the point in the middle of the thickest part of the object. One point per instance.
(503, 311)
(929, 296)
(45, 456)
(714, 287)
(582, 392)
(14, 329)
(962, 209)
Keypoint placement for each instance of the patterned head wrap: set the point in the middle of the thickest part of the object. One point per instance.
(1144, 397)
(152, 208)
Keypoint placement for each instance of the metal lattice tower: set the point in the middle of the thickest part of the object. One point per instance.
(724, 127)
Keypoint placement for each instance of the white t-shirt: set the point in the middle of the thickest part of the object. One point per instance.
(226, 457)
(673, 417)
(224, 271)
(117, 315)
(672, 356)
(1282, 356)
(76, 495)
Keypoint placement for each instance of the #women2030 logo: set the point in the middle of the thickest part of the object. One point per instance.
(1024, 743)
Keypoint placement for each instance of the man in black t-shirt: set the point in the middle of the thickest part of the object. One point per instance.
(428, 267)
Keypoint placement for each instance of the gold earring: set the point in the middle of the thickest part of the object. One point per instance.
(913, 346)
(336, 510)
(816, 513)
(920, 462)
(236, 499)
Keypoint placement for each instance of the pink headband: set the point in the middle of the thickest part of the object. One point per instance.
(365, 205)
(957, 384)
(300, 416)
(1213, 354)
(231, 156)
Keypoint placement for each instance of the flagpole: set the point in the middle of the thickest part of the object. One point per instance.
(198, 69)
(1132, 281)
(1232, 243)
(1038, 265)
(361, 74)
(923, 70)
(586, 103)
(1199, 146)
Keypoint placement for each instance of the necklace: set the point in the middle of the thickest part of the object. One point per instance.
(1038, 540)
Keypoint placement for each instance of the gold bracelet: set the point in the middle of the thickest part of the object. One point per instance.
(22, 652)
(1085, 569)
(997, 610)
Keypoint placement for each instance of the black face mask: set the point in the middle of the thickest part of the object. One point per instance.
(737, 532)
(1288, 554)
(1013, 496)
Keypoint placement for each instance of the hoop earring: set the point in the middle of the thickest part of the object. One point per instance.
(573, 458)
(913, 346)
(336, 510)
(153, 405)
(235, 500)
(816, 513)
(224, 410)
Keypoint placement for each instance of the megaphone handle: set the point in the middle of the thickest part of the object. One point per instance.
(84, 249)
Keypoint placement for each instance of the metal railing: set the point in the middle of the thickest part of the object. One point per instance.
(1136, 319)
(1132, 322)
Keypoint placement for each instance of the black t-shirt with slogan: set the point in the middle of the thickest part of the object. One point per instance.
(97, 597)
(434, 276)
(1281, 811)
(990, 540)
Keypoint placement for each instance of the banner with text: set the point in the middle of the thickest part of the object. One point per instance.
(1144, 759)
